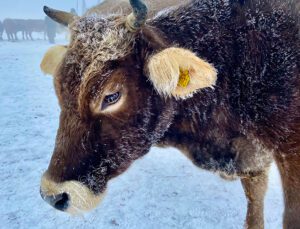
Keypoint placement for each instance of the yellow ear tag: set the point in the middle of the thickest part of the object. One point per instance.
(184, 78)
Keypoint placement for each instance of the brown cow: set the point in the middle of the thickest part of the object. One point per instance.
(34, 25)
(125, 84)
(12, 27)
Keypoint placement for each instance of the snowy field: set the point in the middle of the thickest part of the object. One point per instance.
(163, 190)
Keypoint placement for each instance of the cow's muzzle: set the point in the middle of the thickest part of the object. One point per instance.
(69, 196)
(59, 202)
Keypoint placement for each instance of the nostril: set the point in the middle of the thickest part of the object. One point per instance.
(60, 201)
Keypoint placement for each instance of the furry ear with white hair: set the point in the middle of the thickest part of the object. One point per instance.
(180, 73)
(52, 59)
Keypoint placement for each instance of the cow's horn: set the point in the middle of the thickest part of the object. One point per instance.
(138, 16)
(61, 17)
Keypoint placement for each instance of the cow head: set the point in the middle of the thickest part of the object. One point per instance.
(118, 84)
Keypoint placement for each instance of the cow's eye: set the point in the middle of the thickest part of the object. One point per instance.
(111, 99)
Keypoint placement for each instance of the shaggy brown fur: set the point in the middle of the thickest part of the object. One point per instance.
(123, 7)
(234, 128)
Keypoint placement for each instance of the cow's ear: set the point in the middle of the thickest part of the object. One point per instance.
(180, 73)
(52, 59)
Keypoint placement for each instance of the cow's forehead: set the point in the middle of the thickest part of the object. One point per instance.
(102, 39)
(94, 42)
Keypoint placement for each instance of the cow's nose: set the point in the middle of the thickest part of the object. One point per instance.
(60, 201)
(68, 196)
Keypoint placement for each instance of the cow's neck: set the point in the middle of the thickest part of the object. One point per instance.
(204, 122)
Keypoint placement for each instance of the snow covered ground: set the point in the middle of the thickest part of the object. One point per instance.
(162, 190)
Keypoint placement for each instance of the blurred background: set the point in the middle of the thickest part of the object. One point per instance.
(31, 9)
(25, 20)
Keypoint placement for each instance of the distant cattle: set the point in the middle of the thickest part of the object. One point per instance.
(12, 27)
(50, 27)
(34, 25)
(1, 31)
(27, 26)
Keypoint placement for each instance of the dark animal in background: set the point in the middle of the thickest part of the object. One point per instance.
(12, 27)
(34, 25)
(26, 27)
(50, 26)
(1, 31)
(125, 84)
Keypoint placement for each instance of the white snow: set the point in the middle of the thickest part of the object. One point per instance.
(162, 190)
